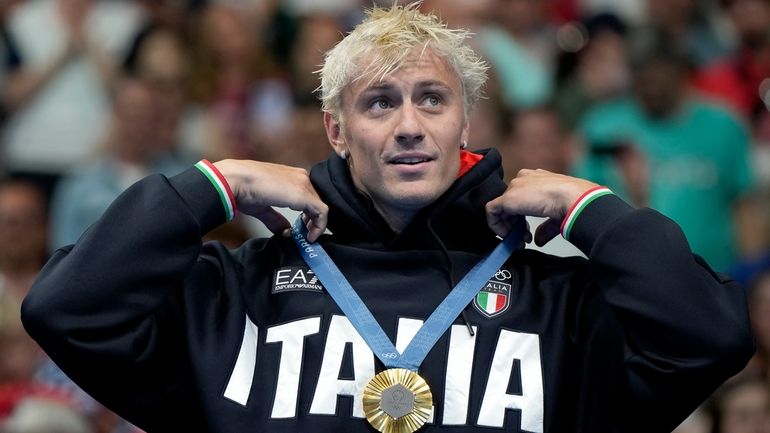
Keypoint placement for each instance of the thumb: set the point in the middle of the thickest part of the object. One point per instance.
(548, 230)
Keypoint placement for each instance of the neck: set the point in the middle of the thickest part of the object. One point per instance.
(397, 219)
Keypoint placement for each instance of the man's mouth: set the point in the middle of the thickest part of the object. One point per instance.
(410, 158)
(409, 161)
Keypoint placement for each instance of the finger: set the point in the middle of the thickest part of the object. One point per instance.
(547, 231)
(502, 220)
(520, 224)
(496, 218)
(318, 215)
(314, 212)
(274, 221)
(315, 229)
(527, 232)
(500, 226)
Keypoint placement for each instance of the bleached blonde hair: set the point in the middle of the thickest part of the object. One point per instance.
(384, 40)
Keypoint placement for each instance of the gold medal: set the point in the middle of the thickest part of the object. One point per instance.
(397, 400)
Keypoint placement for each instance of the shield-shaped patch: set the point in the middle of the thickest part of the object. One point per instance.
(495, 297)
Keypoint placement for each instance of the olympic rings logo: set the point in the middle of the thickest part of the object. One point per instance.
(503, 274)
(389, 355)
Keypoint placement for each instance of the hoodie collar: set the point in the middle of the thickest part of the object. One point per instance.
(457, 217)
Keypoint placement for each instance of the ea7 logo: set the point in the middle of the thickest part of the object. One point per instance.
(495, 297)
(295, 278)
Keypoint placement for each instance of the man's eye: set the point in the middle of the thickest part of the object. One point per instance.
(432, 100)
(380, 104)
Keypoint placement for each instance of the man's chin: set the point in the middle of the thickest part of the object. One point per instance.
(415, 198)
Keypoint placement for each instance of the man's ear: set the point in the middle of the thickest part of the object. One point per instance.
(334, 134)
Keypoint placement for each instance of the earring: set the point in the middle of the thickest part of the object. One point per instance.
(464, 144)
(344, 154)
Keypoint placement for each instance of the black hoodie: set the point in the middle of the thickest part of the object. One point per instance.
(178, 336)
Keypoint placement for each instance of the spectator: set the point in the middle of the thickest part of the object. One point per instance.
(60, 92)
(23, 237)
(132, 150)
(742, 406)
(539, 139)
(489, 122)
(317, 34)
(736, 79)
(742, 81)
(160, 56)
(682, 25)
(597, 72)
(304, 128)
(520, 48)
(684, 157)
(759, 310)
(232, 78)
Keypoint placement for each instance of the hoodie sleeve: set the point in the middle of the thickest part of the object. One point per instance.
(112, 303)
(686, 328)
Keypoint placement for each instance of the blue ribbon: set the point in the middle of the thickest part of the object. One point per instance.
(364, 322)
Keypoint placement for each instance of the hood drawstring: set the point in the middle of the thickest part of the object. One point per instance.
(450, 274)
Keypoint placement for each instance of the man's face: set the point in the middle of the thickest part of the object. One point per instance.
(660, 87)
(23, 225)
(541, 142)
(403, 134)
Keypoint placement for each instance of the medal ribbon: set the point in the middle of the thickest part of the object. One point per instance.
(364, 322)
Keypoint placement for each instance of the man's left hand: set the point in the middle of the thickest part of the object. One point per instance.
(536, 193)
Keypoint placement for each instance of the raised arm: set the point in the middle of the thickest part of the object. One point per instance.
(685, 328)
(116, 311)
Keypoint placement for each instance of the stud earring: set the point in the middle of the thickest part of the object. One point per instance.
(344, 154)
(464, 144)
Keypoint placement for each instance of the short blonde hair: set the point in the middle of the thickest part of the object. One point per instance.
(385, 39)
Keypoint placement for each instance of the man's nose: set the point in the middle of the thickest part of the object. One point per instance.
(409, 130)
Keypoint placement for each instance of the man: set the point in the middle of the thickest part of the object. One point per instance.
(63, 80)
(684, 157)
(132, 149)
(538, 138)
(176, 336)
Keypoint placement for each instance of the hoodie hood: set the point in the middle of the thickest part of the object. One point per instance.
(457, 217)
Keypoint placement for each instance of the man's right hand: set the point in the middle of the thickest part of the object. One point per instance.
(257, 186)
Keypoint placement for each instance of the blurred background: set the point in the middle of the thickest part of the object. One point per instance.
(665, 101)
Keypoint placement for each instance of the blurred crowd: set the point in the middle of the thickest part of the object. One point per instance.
(665, 101)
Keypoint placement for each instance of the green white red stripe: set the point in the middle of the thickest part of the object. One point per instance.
(581, 203)
(220, 184)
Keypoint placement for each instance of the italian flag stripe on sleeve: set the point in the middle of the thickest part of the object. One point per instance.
(220, 184)
(573, 213)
